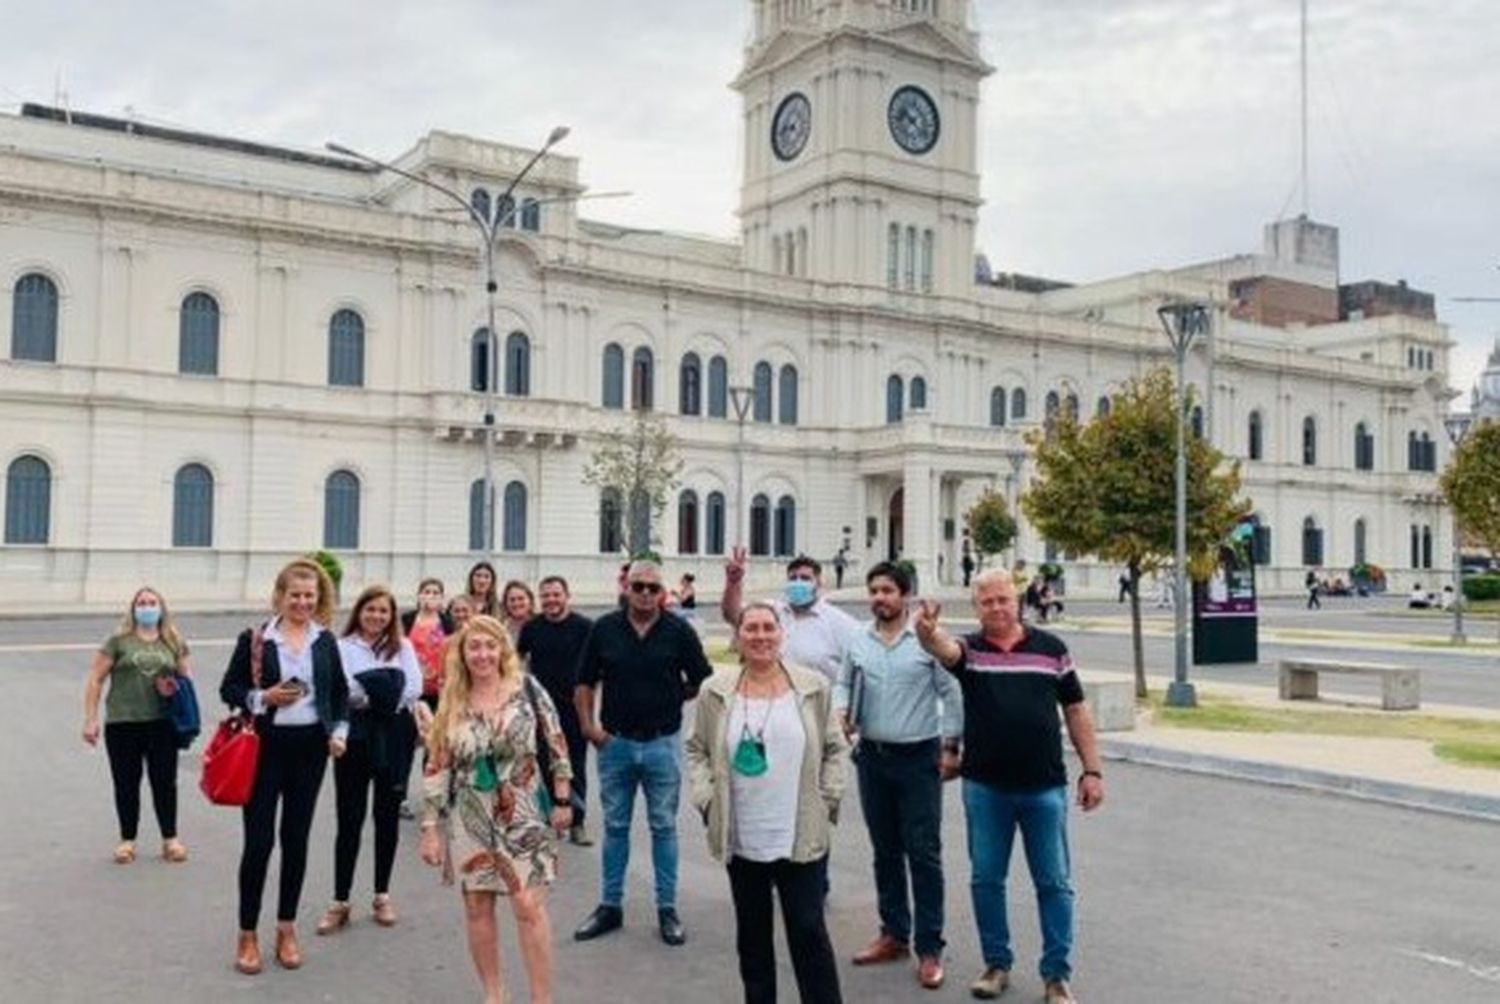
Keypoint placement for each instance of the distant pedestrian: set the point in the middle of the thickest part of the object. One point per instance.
(840, 566)
(1124, 587)
(815, 632)
(687, 592)
(519, 604)
(482, 588)
(142, 661)
(1313, 588)
(967, 565)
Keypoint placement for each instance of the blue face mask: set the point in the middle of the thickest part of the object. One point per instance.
(801, 593)
(148, 616)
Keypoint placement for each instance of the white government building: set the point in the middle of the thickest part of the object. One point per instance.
(218, 353)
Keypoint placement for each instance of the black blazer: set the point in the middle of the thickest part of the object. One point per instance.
(330, 689)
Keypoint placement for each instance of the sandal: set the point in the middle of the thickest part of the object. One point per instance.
(125, 853)
(335, 918)
(174, 850)
(385, 910)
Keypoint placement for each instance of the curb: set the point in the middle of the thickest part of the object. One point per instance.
(1410, 796)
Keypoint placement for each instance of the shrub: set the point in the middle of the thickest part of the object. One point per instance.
(1482, 587)
(331, 566)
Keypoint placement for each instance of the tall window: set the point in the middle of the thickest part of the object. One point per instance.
(1103, 407)
(909, 271)
(613, 393)
(1360, 555)
(611, 521)
(193, 507)
(346, 349)
(477, 513)
(687, 522)
(786, 527)
(1071, 407)
(518, 364)
(505, 211)
(760, 525)
(927, 240)
(918, 394)
(198, 335)
(762, 397)
(787, 395)
(1196, 421)
(713, 524)
(801, 251)
(33, 319)
(642, 379)
(1257, 435)
(28, 501)
(1416, 545)
(1421, 452)
(341, 511)
(1017, 404)
(513, 534)
(1312, 543)
(480, 200)
(1427, 545)
(997, 407)
(1364, 448)
(894, 399)
(718, 387)
(893, 255)
(1051, 406)
(1309, 442)
(690, 385)
(480, 369)
(531, 215)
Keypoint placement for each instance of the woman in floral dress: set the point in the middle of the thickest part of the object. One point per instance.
(489, 817)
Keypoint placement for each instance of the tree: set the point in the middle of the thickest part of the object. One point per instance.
(1109, 488)
(640, 462)
(1471, 483)
(991, 526)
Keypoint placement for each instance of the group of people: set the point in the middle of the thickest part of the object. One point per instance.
(505, 696)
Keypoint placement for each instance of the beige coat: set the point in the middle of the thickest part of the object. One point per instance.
(821, 783)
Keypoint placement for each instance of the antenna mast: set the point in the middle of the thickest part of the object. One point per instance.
(1306, 197)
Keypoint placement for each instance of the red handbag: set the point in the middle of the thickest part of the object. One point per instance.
(233, 755)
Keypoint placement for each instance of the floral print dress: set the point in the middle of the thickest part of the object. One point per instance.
(499, 839)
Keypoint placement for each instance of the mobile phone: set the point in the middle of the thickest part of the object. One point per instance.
(300, 686)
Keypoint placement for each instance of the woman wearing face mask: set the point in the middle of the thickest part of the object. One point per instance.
(142, 661)
(380, 668)
(520, 607)
(428, 628)
(482, 589)
(288, 674)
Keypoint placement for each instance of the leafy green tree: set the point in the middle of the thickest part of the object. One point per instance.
(641, 462)
(1471, 483)
(991, 526)
(1109, 488)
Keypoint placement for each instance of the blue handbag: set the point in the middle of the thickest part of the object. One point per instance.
(182, 712)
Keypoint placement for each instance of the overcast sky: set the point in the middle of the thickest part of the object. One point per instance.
(1117, 135)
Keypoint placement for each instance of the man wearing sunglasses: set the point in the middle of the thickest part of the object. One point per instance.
(642, 666)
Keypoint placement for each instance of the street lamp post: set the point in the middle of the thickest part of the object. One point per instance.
(741, 398)
(1182, 323)
(1458, 427)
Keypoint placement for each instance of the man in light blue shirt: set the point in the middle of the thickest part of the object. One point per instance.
(905, 715)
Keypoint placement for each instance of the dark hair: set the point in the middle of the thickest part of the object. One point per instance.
(494, 577)
(551, 580)
(894, 572)
(803, 561)
(388, 645)
(430, 582)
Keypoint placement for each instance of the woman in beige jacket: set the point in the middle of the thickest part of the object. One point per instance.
(766, 762)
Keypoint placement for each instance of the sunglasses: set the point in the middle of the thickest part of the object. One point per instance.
(645, 587)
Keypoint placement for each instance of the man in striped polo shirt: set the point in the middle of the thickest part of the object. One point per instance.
(1013, 679)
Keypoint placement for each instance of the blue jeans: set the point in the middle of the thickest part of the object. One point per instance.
(656, 766)
(993, 816)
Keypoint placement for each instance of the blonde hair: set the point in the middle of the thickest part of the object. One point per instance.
(453, 703)
(389, 642)
(305, 568)
(165, 628)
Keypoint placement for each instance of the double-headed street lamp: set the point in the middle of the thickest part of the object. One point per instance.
(1458, 427)
(1183, 322)
(741, 397)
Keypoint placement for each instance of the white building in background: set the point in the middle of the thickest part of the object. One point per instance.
(217, 354)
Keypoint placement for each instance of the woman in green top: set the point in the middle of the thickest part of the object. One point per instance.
(142, 661)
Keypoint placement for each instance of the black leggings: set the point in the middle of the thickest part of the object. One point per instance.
(292, 761)
(802, 888)
(353, 776)
(154, 744)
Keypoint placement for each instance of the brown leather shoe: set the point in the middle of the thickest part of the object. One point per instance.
(385, 910)
(930, 971)
(288, 952)
(883, 949)
(247, 955)
(334, 919)
(1058, 993)
(990, 984)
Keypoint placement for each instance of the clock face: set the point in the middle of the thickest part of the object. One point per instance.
(791, 125)
(913, 118)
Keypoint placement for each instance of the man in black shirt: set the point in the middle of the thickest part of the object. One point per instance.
(645, 665)
(551, 642)
(1013, 680)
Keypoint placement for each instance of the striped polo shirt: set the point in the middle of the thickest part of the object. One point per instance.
(1012, 732)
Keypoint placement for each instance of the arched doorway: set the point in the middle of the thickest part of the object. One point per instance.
(897, 522)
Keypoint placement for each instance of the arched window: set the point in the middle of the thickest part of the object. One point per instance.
(611, 521)
(687, 522)
(786, 393)
(33, 319)
(518, 364)
(1257, 437)
(513, 534)
(341, 511)
(346, 349)
(1051, 407)
(1360, 533)
(640, 521)
(786, 527)
(531, 215)
(918, 393)
(1309, 442)
(198, 335)
(28, 501)
(1195, 421)
(1103, 407)
(997, 407)
(690, 385)
(760, 525)
(480, 200)
(613, 393)
(1071, 407)
(193, 507)
(480, 369)
(1364, 448)
(1312, 543)
(642, 379)
(478, 511)
(894, 399)
(713, 524)
(1017, 404)
(761, 412)
(505, 211)
(718, 387)
(893, 255)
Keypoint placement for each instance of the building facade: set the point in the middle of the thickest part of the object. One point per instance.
(217, 354)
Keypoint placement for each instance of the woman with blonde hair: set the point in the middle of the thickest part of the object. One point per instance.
(498, 769)
(288, 675)
(142, 661)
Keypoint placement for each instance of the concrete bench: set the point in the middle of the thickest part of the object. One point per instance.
(1400, 686)
(1112, 705)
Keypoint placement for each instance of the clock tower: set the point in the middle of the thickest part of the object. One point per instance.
(861, 155)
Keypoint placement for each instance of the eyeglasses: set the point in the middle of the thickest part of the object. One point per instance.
(645, 587)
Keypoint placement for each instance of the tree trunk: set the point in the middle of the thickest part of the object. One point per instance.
(1137, 642)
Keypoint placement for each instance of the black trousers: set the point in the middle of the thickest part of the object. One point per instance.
(293, 759)
(801, 890)
(578, 759)
(130, 746)
(901, 793)
(355, 774)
